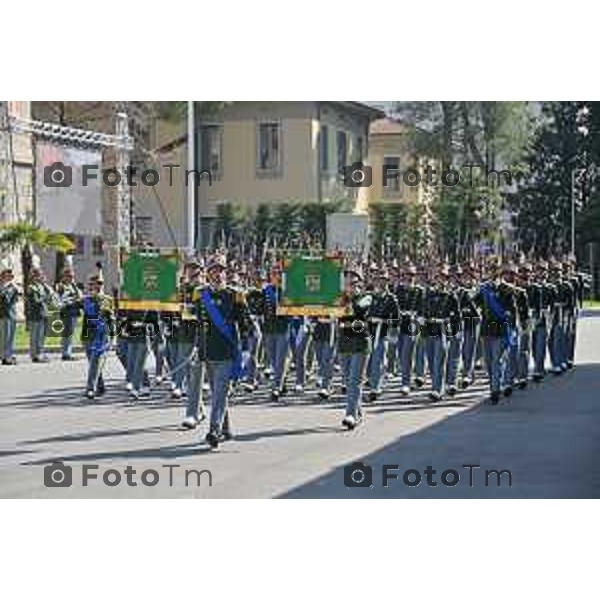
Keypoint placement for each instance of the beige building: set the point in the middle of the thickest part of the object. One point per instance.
(390, 146)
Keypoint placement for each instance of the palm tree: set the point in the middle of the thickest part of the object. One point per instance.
(24, 236)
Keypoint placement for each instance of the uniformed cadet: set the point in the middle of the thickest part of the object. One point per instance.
(353, 344)
(564, 302)
(409, 295)
(383, 313)
(440, 307)
(525, 307)
(519, 322)
(183, 330)
(577, 283)
(455, 332)
(98, 318)
(9, 295)
(275, 334)
(223, 326)
(496, 301)
(254, 345)
(38, 302)
(70, 298)
(426, 282)
(471, 324)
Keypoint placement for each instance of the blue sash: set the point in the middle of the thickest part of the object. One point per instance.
(270, 294)
(226, 330)
(495, 307)
(99, 342)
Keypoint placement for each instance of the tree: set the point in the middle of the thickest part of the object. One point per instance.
(25, 237)
(562, 148)
(493, 135)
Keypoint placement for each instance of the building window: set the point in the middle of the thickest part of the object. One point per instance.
(269, 148)
(211, 137)
(324, 148)
(97, 246)
(391, 166)
(342, 150)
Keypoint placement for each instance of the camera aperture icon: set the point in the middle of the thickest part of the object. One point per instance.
(58, 175)
(358, 175)
(358, 474)
(58, 475)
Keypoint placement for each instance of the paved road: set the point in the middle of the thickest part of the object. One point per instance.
(547, 437)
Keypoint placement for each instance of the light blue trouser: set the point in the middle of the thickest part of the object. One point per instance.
(538, 347)
(406, 353)
(276, 348)
(137, 352)
(436, 348)
(37, 335)
(556, 345)
(353, 365)
(8, 328)
(94, 381)
(195, 405)
(512, 363)
(66, 342)
(375, 364)
(420, 357)
(524, 354)
(219, 377)
(123, 355)
(324, 352)
(469, 350)
(494, 352)
(158, 349)
(454, 351)
(251, 366)
(183, 351)
(299, 355)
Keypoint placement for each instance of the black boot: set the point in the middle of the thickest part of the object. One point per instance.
(495, 397)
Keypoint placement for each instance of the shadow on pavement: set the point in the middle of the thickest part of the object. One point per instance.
(548, 437)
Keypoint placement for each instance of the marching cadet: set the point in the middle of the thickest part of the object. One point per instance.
(471, 324)
(525, 303)
(275, 334)
(497, 304)
(426, 281)
(353, 344)
(98, 316)
(184, 329)
(37, 307)
(9, 295)
(455, 332)
(518, 322)
(409, 295)
(383, 313)
(563, 303)
(255, 303)
(577, 283)
(440, 307)
(70, 298)
(541, 301)
(223, 326)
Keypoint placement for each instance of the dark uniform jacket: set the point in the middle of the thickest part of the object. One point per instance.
(410, 304)
(353, 328)
(231, 304)
(440, 306)
(490, 325)
(9, 294)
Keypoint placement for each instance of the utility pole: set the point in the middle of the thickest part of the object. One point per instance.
(192, 240)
